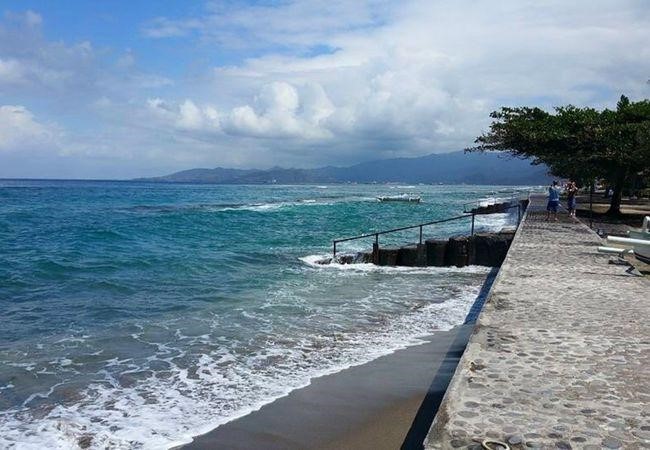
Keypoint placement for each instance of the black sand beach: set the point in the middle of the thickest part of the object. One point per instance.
(385, 404)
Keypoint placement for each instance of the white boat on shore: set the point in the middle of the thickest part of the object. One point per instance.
(400, 198)
(637, 242)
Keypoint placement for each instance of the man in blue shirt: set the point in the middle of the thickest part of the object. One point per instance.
(553, 201)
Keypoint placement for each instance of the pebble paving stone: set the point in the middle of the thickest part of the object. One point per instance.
(560, 355)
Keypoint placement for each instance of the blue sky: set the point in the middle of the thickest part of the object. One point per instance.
(124, 89)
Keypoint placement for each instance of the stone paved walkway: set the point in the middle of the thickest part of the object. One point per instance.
(560, 357)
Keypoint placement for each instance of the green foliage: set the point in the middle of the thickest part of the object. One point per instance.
(577, 143)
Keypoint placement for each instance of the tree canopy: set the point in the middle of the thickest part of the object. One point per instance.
(577, 143)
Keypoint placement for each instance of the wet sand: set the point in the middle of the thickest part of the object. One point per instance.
(387, 403)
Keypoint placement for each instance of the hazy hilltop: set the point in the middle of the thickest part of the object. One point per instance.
(449, 168)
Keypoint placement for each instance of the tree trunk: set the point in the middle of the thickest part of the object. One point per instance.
(615, 204)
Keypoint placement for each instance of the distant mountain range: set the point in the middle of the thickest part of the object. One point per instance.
(448, 168)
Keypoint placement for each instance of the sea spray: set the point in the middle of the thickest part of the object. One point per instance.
(141, 315)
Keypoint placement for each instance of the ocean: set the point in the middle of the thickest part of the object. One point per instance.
(138, 315)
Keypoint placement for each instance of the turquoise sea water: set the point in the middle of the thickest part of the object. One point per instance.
(139, 315)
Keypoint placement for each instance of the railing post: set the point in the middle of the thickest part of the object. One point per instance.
(375, 250)
(473, 215)
(420, 234)
(334, 252)
(591, 204)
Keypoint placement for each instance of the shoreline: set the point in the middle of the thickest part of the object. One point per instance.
(374, 405)
(388, 402)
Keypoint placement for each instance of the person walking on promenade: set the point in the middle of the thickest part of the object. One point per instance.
(553, 201)
(571, 191)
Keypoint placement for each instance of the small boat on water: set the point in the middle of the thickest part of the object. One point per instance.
(400, 198)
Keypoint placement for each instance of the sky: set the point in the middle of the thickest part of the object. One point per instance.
(143, 88)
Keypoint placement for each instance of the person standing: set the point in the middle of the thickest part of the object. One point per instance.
(571, 191)
(553, 201)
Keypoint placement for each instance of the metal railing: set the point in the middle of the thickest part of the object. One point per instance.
(496, 199)
(493, 202)
(375, 246)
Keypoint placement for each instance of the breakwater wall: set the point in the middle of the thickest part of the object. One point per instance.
(486, 249)
(483, 249)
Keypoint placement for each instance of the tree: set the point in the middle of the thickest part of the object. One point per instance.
(577, 143)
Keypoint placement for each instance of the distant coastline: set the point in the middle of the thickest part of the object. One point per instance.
(445, 168)
(454, 168)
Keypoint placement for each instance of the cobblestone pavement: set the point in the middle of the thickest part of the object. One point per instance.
(560, 355)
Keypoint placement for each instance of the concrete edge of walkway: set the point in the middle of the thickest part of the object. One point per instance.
(442, 416)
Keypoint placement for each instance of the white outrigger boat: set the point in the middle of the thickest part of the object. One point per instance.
(637, 243)
(400, 198)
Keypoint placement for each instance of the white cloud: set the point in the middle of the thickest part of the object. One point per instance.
(191, 117)
(331, 82)
(11, 71)
(280, 111)
(186, 116)
(68, 73)
(426, 79)
(19, 130)
(297, 23)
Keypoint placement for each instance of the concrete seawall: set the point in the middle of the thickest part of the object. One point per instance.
(560, 354)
